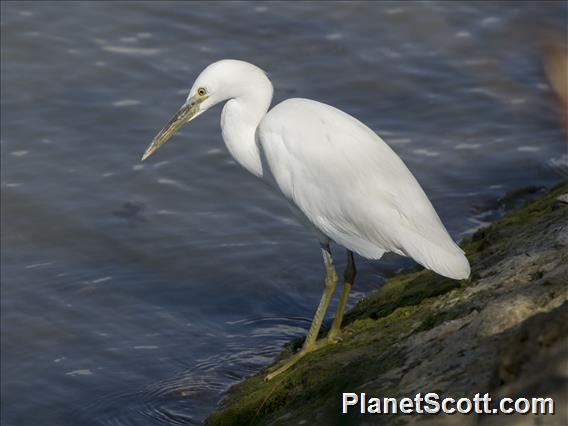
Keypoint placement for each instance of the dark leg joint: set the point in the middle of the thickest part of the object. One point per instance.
(350, 269)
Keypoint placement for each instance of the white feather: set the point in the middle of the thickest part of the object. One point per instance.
(352, 187)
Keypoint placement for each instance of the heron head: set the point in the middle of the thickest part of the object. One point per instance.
(220, 81)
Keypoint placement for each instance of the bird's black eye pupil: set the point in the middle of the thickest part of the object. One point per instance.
(201, 92)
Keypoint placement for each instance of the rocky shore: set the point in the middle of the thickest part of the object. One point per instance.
(503, 331)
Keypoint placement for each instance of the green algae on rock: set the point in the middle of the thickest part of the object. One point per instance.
(425, 333)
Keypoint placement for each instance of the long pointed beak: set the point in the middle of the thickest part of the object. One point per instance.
(187, 112)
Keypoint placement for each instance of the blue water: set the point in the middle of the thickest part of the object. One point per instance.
(136, 294)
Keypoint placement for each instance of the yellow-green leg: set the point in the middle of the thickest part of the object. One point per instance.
(349, 276)
(310, 342)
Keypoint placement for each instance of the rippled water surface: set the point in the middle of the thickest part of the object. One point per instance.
(137, 293)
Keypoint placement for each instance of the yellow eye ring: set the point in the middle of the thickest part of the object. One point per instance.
(201, 91)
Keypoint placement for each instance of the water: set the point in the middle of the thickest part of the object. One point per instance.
(137, 293)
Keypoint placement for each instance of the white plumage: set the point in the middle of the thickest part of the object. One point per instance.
(352, 187)
(342, 178)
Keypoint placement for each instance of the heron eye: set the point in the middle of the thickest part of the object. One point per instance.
(201, 91)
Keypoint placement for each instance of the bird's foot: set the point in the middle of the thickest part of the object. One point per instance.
(331, 339)
(334, 336)
(287, 363)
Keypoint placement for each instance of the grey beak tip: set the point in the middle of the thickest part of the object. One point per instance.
(147, 153)
(184, 115)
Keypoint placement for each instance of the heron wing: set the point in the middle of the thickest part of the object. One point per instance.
(352, 187)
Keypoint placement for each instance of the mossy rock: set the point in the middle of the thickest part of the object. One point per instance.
(413, 303)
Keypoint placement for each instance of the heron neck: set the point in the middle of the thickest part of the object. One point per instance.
(239, 121)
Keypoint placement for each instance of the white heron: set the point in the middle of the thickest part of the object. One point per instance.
(340, 176)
